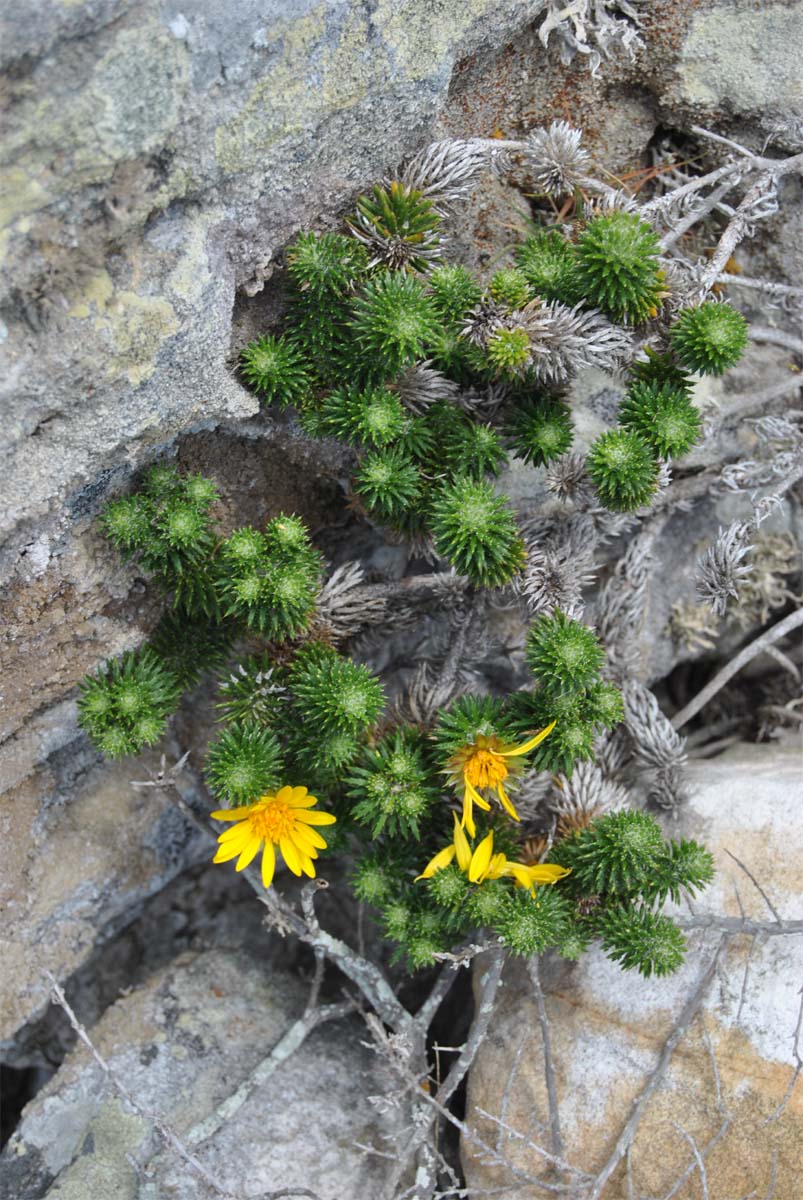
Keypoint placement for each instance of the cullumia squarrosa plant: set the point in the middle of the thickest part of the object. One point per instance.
(434, 378)
(426, 812)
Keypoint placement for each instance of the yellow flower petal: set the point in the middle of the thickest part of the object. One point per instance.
(301, 798)
(268, 864)
(481, 858)
(461, 844)
(316, 818)
(441, 860)
(497, 867)
(304, 848)
(290, 855)
(537, 873)
(503, 796)
(306, 865)
(238, 835)
(548, 872)
(249, 854)
(285, 794)
(310, 836)
(232, 814)
(526, 747)
(471, 797)
(300, 836)
(228, 852)
(468, 814)
(240, 832)
(479, 800)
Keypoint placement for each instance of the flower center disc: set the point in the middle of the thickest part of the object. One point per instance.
(272, 819)
(485, 769)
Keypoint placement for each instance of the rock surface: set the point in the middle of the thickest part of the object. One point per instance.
(78, 856)
(730, 1076)
(182, 1044)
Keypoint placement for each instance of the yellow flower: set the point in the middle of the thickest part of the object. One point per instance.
(481, 864)
(484, 766)
(536, 874)
(284, 820)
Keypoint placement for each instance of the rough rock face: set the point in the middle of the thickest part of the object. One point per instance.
(182, 1044)
(730, 1074)
(158, 161)
(76, 859)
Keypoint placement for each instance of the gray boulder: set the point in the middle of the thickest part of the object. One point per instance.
(182, 1045)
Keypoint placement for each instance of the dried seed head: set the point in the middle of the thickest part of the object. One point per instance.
(446, 171)
(568, 479)
(420, 386)
(484, 320)
(557, 161)
(720, 570)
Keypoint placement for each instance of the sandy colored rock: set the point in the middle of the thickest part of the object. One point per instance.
(607, 1028)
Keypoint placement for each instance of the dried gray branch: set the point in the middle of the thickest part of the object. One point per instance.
(698, 1158)
(752, 207)
(425, 1179)
(621, 603)
(775, 634)
(776, 337)
(560, 1164)
(287, 1045)
(736, 926)
(763, 285)
(797, 1068)
(755, 884)
(556, 1141)
(720, 1133)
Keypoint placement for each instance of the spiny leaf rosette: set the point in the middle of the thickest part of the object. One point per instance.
(709, 339)
(549, 264)
(391, 787)
(510, 288)
(617, 267)
(565, 658)
(623, 469)
(433, 377)
(276, 369)
(398, 227)
(541, 430)
(664, 417)
(475, 530)
(270, 580)
(393, 322)
(126, 705)
(168, 528)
